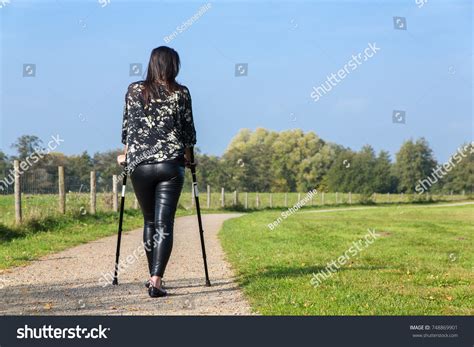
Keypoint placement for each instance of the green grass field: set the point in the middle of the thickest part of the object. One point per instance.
(421, 264)
(41, 206)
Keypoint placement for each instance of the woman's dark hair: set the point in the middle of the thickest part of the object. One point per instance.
(162, 70)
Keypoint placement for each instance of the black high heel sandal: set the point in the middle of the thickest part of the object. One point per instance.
(148, 282)
(155, 292)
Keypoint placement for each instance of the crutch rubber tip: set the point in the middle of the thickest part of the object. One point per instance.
(115, 282)
(208, 283)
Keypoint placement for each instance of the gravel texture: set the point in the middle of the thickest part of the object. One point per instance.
(69, 282)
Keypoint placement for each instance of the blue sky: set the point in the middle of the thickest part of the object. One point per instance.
(83, 53)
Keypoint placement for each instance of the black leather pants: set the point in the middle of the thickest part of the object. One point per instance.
(158, 187)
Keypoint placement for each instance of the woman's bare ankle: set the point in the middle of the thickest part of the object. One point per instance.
(156, 281)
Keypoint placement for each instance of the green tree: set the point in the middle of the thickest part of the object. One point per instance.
(287, 157)
(312, 165)
(361, 172)
(78, 168)
(461, 177)
(339, 176)
(414, 162)
(383, 179)
(248, 160)
(4, 164)
(362, 178)
(105, 164)
(211, 171)
(26, 145)
(270, 161)
(5, 167)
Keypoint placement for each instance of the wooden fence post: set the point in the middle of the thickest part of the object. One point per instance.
(93, 206)
(337, 197)
(62, 190)
(246, 200)
(271, 200)
(17, 189)
(299, 197)
(350, 198)
(375, 197)
(222, 198)
(114, 194)
(388, 197)
(208, 196)
(234, 200)
(257, 201)
(322, 198)
(286, 199)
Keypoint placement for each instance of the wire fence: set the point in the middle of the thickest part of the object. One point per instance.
(40, 194)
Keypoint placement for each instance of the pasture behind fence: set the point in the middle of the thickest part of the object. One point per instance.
(44, 193)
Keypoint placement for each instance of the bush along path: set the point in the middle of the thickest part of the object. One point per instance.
(77, 281)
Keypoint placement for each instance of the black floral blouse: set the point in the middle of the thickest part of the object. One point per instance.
(161, 130)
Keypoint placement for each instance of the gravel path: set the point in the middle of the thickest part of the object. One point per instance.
(69, 282)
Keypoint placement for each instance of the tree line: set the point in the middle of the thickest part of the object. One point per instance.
(287, 161)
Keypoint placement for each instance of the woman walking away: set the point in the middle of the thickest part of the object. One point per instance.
(159, 136)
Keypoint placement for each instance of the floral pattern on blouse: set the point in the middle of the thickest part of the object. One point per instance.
(159, 131)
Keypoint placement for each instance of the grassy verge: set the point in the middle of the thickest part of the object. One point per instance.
(39, 237)
(421, 264)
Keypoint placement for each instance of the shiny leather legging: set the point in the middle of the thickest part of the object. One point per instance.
(158, 187)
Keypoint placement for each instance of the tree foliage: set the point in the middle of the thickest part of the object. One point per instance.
(414, 162)
(264, 160)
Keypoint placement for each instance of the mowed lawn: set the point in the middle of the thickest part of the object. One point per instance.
(421, 264)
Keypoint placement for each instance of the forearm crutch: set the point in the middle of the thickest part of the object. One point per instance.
(198, 210)
(119, 237)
